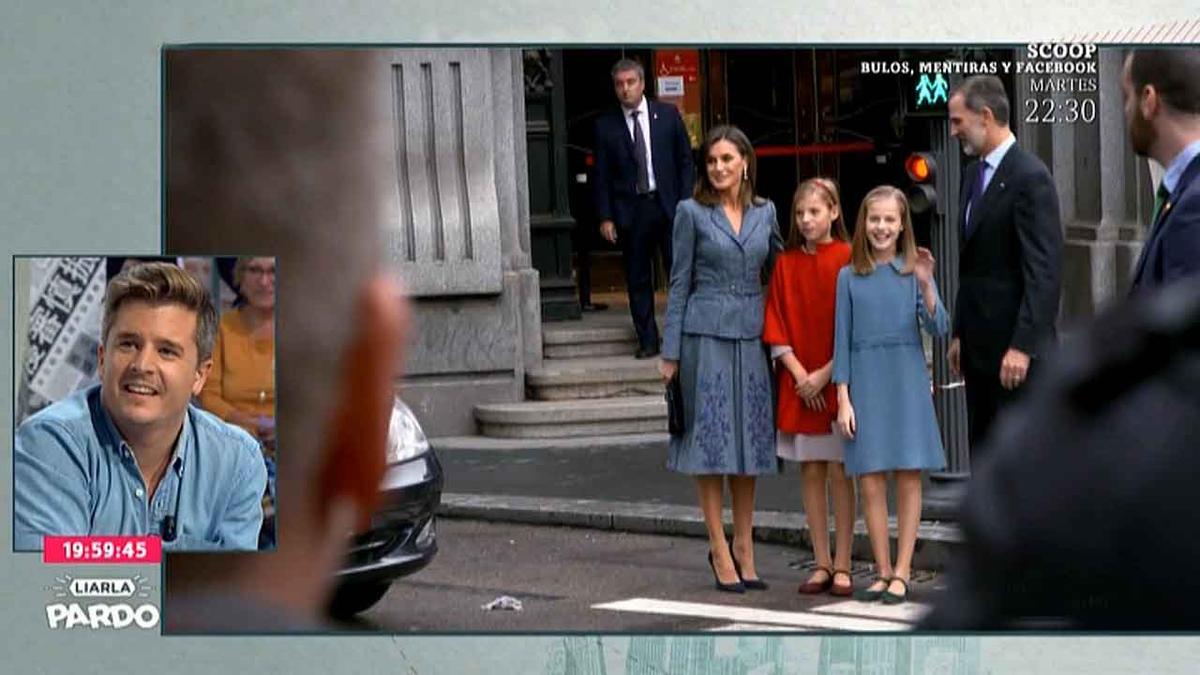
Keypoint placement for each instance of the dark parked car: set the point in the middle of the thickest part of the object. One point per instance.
(402, 537)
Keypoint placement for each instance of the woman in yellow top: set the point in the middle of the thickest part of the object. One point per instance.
(241, 385)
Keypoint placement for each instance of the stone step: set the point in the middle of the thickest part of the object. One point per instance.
(570, 419)
(594, 377)
(584, 350)
(644, 442)
(580, 334)
(588, 341)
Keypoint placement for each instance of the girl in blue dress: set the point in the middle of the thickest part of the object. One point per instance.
(885, 407)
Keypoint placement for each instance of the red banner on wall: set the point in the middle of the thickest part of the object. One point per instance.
(677, 81)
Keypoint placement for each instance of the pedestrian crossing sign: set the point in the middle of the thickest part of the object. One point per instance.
(930, 92)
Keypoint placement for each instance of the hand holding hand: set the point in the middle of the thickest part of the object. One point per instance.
(799, 376)
(812, 384)
(815, 403)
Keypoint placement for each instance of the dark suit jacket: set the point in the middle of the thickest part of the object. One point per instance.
(615, 184)
(1009, 268)
(1173, 249)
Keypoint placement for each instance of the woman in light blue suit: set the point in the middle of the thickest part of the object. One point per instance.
(724, 242)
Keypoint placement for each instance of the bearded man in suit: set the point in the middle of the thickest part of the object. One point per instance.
(1010, 256)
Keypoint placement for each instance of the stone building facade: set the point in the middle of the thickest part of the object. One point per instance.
(460, 237)
(461, 232)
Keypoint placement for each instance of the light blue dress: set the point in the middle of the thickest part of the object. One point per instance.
(713, 327)
(877, 350)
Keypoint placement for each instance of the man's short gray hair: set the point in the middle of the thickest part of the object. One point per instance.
(985, 91)
(628, 64)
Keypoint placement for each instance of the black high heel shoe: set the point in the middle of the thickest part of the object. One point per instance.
(735, 587)
(750, 584)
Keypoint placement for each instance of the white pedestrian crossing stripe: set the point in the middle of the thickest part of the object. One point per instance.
(908, 612)
(757, 628)
(815, 620)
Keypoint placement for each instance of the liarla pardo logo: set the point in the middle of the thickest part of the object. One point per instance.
(127, 603)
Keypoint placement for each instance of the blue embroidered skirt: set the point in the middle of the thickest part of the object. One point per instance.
(727, 408)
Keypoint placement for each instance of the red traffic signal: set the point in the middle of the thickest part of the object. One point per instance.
(920, 167)
(922, 171)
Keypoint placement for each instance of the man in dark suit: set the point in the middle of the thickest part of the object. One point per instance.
(643, 169)
(1010, 255)
(1162, 109)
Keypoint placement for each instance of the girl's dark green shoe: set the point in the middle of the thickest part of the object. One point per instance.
(890, 598)
(868, 595)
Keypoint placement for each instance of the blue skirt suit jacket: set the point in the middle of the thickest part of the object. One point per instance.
(713, 327)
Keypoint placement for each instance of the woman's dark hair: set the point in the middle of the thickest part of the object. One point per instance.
(708, 195)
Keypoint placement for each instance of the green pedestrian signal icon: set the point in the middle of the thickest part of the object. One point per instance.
(932, 92)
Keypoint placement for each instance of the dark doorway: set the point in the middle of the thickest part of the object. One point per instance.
(808, 112)
(589, 92)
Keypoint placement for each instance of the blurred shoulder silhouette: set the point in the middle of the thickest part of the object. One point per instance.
(1082, 515)
(284, 153)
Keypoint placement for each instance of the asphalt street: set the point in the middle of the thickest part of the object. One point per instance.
(625, 474)
(569, 579)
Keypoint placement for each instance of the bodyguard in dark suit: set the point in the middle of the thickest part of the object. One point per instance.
(1162, 109)
(1010, 255)
(643, 169)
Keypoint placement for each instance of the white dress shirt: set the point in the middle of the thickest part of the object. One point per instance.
(644, 120)
(991, 161)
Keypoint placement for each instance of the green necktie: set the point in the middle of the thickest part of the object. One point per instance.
(1160, 197)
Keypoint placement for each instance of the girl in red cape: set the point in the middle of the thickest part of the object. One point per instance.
(799, 327)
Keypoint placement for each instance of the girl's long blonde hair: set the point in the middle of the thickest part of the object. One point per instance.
(906, 244)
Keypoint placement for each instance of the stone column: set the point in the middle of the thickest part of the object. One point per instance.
(461, 233)
(512, 189)
(1099, 183)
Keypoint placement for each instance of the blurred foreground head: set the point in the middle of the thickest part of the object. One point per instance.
(1161, 89)
(284, 153)
(1082, 514)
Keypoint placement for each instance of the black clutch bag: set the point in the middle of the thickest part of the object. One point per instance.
(675, 407)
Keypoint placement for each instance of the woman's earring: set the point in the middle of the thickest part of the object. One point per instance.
(745, 174)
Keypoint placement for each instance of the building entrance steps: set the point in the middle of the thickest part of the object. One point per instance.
(588, 388)
(569, 341)
(594, 377)
(571, 418)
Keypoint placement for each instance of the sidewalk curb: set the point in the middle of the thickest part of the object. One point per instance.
(936, 541)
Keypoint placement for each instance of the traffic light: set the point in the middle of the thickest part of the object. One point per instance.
(921, 168)
(923, 201)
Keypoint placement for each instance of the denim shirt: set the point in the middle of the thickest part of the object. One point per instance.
(73, 474)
